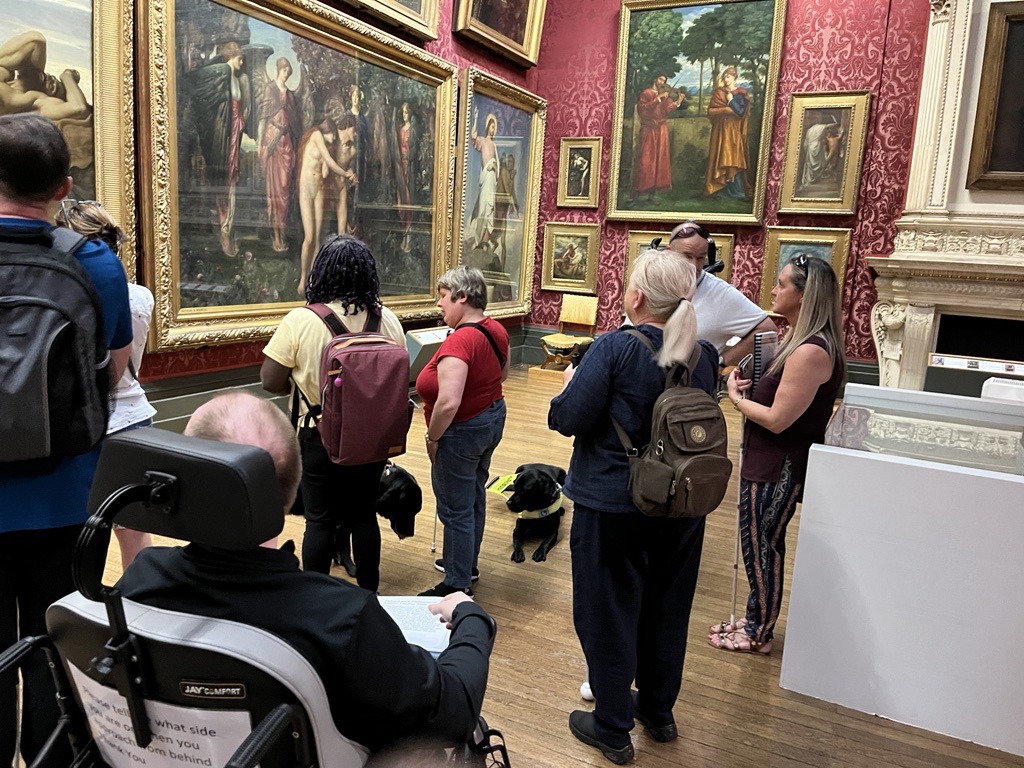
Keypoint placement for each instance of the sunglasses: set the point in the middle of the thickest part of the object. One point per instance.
(69, 204)
(800, 262)
(689, 229)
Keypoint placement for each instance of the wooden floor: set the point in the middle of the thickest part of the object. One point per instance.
(731, 711)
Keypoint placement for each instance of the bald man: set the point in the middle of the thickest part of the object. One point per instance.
(381, 689)
(722, 311)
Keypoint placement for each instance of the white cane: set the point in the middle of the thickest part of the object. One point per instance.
(736, 554)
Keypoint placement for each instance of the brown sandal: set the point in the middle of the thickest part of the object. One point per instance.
(740, 642)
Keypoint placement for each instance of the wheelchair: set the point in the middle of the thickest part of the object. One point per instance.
(145, 687)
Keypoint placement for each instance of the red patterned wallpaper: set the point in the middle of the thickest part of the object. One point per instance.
(829, 45)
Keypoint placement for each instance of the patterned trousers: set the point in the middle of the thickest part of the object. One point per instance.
(765, 510)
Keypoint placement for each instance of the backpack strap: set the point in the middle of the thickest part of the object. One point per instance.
(494, 344)
(330, 319)
(61, 239)
(373, 319)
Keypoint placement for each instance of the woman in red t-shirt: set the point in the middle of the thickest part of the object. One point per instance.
(465, 411)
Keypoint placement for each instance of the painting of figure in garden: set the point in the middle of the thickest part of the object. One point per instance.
(283, 142)
(694, 105)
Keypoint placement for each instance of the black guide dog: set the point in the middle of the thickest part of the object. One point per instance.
(537, 497)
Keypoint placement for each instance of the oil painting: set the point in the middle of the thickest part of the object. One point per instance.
(282, 136)
(831, 245)
(694, 102)
(509, 27)
(579, 171)
(571, 253)
(502, 135)
(824, 149)
(52, 55)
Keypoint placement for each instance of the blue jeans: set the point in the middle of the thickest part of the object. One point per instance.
(459, 476)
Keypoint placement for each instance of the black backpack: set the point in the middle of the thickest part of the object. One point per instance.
(683, 471)
(54, 379)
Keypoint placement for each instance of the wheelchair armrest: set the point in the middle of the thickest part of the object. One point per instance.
(281, 720)
(13, 657)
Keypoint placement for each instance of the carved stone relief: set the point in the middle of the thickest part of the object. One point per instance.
(887, 321)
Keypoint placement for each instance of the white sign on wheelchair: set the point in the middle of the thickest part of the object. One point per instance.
(181, 736)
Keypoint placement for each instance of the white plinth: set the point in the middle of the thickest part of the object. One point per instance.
(906, 596)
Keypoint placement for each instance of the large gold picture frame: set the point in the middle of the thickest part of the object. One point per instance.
(694, 107)
(571, 255)
(88, 49)
(227, 261)
(783, 243)
(639, 240)
(417, 16)
(579, 171)
(997, 158)
(824, 150)
(501, 142)
(509, 27)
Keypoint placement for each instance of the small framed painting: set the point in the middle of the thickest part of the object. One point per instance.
(579, 171)
(832, 245)
(570, 257)
(824, 150)
(639, 240)
(509, 27)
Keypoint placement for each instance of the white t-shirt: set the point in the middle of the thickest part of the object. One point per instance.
(298, 343)
(130, 403)
(723, 312)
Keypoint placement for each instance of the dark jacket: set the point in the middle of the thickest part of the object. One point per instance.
(618, 377)
(380, 688)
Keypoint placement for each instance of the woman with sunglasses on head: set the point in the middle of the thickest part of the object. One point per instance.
(131, 408)
(786, 413)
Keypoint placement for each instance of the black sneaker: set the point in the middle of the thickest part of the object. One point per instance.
(662, 733)
(442, 590)
(581, 724)
(439, 566)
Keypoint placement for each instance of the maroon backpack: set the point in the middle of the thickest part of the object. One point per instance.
(365, 410)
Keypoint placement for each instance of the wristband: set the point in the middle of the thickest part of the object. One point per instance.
(426, 435)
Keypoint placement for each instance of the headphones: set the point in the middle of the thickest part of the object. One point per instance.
(688, 229)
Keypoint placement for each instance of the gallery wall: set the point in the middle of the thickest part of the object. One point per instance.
(877, 45)
(829, 45)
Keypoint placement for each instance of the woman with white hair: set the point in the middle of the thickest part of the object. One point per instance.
(633, 576)
(465, 411)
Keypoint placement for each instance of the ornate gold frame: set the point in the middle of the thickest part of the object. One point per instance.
(548, 281)
(114, 118)
(596, 145)
(614, 212)
(859, 104)
(423, 24)
(979, 172)
(522, 52)
(477, 81)
(639, 240)
(175, 326)
(838, 239)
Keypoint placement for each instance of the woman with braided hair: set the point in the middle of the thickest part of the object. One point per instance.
(344, 277)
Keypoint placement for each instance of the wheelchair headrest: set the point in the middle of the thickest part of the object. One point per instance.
(226, 495)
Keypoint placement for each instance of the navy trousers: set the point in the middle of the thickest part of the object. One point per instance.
(633, 579)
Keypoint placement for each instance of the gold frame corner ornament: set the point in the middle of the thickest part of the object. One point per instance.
(588, 285)
(979, 171)
(568, 143)
(859, 104)
(176, 327)
(616, 213)
(837, 237)
(523, 53)
(475, 80)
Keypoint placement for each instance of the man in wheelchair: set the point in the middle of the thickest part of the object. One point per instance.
(379, 689)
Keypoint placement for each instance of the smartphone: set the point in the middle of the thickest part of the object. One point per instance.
(745, 367)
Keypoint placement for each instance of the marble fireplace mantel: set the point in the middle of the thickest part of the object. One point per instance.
(958, 250)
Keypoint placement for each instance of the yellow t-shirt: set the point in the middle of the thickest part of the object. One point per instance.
(299, 342)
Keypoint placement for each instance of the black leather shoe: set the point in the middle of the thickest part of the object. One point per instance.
(663, 733)
(443, 590)
(581, 724)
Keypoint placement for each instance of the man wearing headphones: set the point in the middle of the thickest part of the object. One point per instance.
(722, 311)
